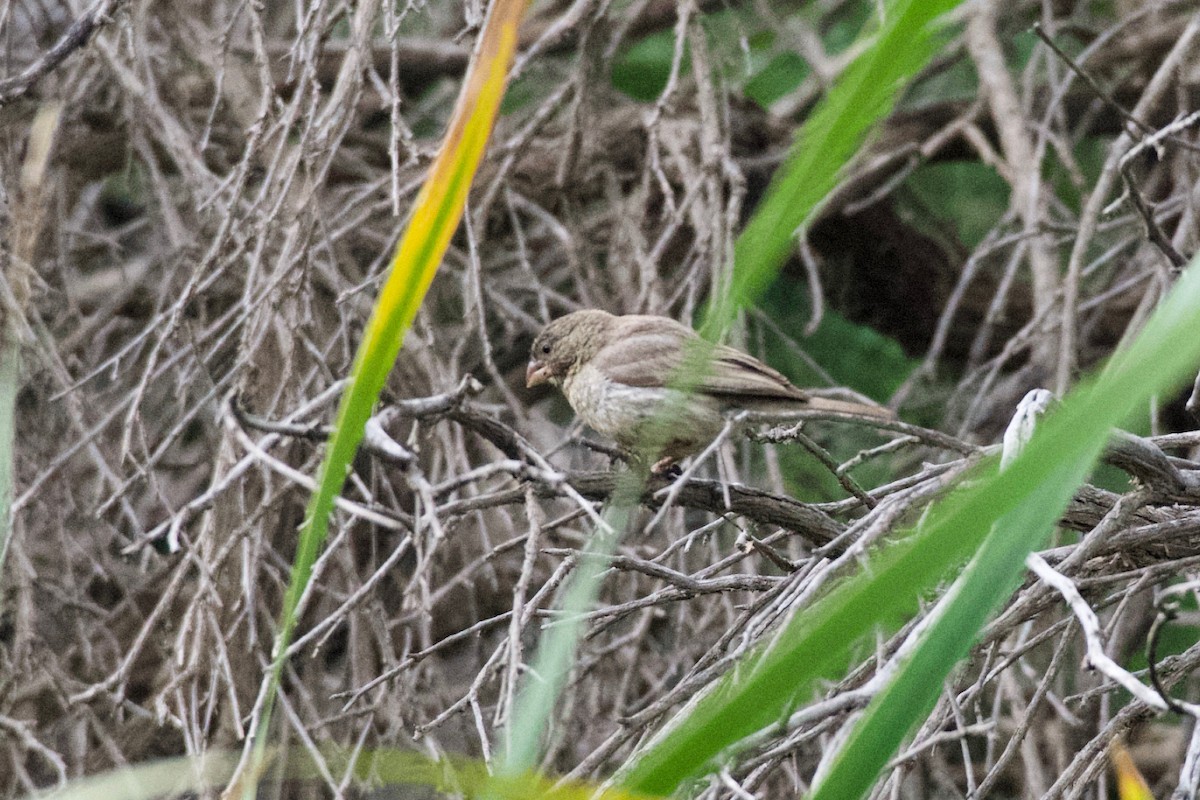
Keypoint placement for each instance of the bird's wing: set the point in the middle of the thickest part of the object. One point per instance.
(735, 374)
(649, 351)
(644, 351)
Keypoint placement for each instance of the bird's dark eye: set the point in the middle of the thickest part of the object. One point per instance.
(546, 349)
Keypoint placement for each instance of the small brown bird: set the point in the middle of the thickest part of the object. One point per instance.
(616, 373)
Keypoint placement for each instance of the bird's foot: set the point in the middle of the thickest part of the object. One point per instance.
(666, 467)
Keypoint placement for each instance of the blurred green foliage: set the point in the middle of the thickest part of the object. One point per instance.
(123, 194)
(642, 70)
(751, 54)
(780, 75)
(1175, 637)
(855, 356)
(1088, 156)
(969, 197)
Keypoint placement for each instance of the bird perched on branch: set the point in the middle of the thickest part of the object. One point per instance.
(654, 385)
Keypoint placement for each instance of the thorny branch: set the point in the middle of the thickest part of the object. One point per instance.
(73, 38)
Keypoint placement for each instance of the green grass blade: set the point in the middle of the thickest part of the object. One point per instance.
(391, 767)
(557, 646)
(904, 42)
(1022, 503)
(829, 139)
(26, 222)
(10, 374)
(435, 216)
(452, 775)
(170, 777)
(867, 92)
(1055, 462)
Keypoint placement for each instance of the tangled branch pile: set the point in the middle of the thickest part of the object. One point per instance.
(225, 188)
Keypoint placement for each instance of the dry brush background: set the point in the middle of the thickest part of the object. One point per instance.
(225, 186)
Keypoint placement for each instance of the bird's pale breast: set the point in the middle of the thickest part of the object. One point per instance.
(623, 412)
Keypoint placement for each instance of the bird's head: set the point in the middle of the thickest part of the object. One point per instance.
(566, 343)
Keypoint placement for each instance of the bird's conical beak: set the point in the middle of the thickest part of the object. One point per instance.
(536, 373)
